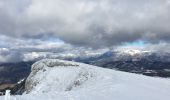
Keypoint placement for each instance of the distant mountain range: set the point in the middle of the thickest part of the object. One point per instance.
(134, 61)
(14, 72)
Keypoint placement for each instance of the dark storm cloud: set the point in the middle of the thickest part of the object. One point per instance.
(93, 23)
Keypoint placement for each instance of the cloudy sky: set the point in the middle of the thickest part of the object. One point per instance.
(31, 28)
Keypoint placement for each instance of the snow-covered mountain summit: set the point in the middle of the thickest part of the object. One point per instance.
(57, 75)
(133, 52)
(53, 79)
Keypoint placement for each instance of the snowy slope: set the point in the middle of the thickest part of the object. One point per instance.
(52, 79)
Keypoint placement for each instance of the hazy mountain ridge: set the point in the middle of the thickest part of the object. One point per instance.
(147, 63)
(13, 72)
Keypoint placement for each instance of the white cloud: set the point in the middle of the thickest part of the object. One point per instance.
(28, 25)
(89, 22)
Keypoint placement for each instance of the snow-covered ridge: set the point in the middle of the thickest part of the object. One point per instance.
(64, 74)
(131, 52)
(53, 79)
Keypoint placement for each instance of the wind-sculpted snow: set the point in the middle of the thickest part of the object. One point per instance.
(56, 75)
(52, 79)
